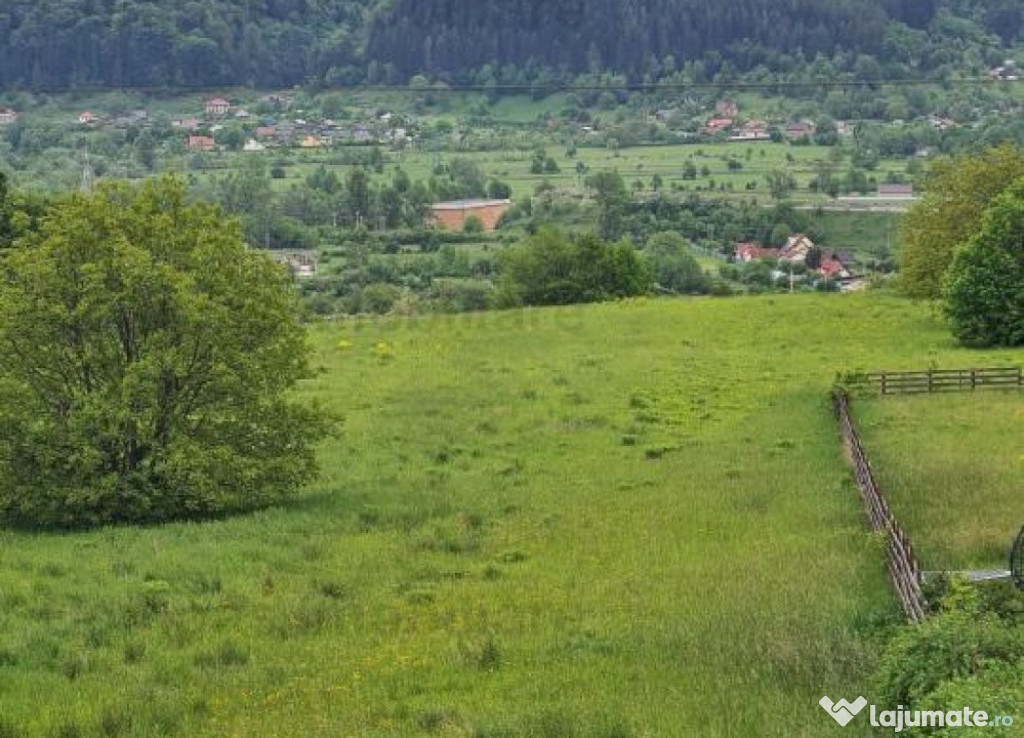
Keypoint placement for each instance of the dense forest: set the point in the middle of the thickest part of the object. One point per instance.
(59, 44)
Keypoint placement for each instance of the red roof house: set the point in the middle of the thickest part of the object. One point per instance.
(201, 143)
(747, 252)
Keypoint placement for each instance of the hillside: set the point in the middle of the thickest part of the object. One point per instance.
(634, 38)
(144, 43)
(596, 521)
(275, 43)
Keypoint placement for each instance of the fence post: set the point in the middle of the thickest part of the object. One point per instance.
(974, 379)
(884, 388)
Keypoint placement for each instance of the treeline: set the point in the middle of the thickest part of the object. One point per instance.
(277, 43)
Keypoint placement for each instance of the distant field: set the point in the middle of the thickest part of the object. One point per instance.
(513, 127)
(953, 468)
(637, 165)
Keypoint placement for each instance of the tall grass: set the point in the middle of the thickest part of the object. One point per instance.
(953, 469)
(629, 519)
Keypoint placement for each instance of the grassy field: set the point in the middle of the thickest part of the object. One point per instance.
(629, 519)
(637, 165)
(953, 468)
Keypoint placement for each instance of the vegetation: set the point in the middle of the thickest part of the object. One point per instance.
(951, 468)
(970, 652)
(145, 363)
(538, 522)
(551, 268)
(660, 38)
(985, 285)
(281, 43)
(673, 265)
(957, 192)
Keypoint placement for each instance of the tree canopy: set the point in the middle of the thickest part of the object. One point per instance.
(551, 268)
(984, 288)
(956, 193)
(278, 43)
(146, 363)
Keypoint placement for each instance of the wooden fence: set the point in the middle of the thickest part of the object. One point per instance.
(940, 380)
(904, 570)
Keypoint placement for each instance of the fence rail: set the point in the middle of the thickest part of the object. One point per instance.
(940, 380)
(904, 570)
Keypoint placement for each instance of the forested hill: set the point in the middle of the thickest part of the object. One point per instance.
(57, 44)
(201, 43)
(630, 37)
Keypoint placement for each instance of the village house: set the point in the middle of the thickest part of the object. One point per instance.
(747, 252)
(716, 125)
(7, 117)
(796, 249)
(800, 129)
(311, 142)
(1007, 71)
(453, 215)
(252, 145)
(361, 134)
(754, 130)
(201, 143)
(186, 124)
(835, 267)
(266, 132)
(86, 118)
(217, 106)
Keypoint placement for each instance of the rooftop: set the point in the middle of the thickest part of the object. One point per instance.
(469, 204)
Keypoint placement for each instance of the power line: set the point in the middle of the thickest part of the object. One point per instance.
(561, 87)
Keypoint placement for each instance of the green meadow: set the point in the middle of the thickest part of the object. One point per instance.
(619, 520)
(953, 469)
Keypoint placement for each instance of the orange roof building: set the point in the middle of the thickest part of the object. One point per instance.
(452, 216)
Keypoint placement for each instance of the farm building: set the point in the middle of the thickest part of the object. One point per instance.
(7, 117)
(453, 215)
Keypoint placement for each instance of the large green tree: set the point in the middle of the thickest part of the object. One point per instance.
(673, 265)
(957, 192)
(984, 288)
(146, 366)
(551, 268)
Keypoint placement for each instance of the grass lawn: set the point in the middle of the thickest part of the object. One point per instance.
(630, 519)
(953, 469)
